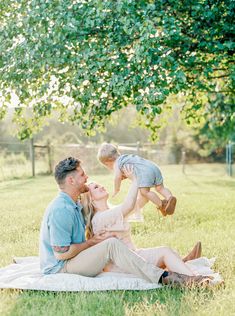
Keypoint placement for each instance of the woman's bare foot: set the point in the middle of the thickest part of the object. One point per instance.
(195, 253)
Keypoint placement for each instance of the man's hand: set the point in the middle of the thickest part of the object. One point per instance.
(68, 252)
(96, 239)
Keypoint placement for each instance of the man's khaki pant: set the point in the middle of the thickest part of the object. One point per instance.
(91, 261)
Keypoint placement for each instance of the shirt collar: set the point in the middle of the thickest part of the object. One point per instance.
(69, 199)
(77, 206)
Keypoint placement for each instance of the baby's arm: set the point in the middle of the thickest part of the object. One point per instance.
(118, 175)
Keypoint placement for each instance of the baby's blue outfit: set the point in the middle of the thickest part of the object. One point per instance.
(148, 173)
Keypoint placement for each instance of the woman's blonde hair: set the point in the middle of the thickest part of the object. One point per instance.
(88, 213)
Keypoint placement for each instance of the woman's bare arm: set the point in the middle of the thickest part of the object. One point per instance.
(129, 203)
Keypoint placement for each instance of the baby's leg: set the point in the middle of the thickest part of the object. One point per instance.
(141, 201)
(168, 205)
(163, 191)
(151, 196)
(136, 215)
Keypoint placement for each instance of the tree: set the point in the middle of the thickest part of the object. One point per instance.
(218, 126)
(87, 59)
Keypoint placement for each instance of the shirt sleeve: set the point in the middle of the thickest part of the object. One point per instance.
(109, 220)
(61, 226)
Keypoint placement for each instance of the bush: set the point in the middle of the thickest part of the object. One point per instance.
(15, 159)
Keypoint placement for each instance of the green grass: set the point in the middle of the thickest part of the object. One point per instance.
(205, 211)
(19, 170)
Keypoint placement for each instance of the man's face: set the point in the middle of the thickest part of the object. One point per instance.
(80, 179)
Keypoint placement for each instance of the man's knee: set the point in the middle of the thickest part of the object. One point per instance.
(164, 249)
(113, 243)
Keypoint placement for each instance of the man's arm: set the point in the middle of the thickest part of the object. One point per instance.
(68, 252)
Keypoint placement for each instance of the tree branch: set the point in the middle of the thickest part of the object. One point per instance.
(217, 77)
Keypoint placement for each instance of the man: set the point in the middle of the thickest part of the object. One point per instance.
(63, 247)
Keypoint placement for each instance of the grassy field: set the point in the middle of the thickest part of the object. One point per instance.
(23, 170)
(205, 211)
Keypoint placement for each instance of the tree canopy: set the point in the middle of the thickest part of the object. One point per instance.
(86, 59)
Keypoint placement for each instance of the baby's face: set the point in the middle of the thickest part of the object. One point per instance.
(109, 165)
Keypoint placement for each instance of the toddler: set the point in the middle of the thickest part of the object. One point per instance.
(148, 175)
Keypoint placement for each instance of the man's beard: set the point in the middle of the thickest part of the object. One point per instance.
(84, 189)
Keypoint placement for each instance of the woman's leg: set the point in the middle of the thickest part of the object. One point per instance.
(195, 253)
(165, 257)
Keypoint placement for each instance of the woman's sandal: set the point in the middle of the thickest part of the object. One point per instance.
(195, 253)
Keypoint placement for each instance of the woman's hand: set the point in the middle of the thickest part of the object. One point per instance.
(129, 172)
(129, 203)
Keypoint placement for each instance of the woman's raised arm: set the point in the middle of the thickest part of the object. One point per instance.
(129, 203)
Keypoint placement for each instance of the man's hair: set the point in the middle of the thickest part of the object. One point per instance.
(107, 152)
(65, 167)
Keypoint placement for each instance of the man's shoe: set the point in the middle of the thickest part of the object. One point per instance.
(175, 279)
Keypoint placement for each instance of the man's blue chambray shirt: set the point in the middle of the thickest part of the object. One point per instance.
(62, 225)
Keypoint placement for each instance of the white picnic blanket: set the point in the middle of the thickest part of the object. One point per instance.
(24, 273)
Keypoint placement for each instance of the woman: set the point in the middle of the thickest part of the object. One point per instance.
(102, 218)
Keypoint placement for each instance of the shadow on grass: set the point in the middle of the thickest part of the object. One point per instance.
(188, 177)
(117, 303)
(224, 183)
(19, 183)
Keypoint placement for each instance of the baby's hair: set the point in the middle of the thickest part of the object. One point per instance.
(107, 152)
